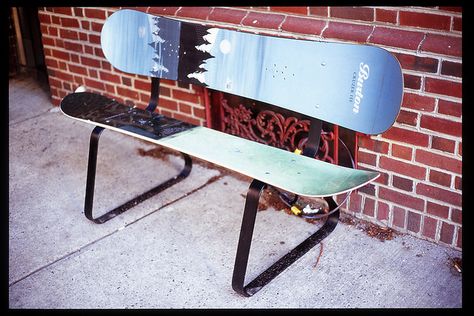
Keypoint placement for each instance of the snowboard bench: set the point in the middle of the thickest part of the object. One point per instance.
(292, 174)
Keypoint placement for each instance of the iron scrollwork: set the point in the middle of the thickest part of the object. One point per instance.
(272, 128)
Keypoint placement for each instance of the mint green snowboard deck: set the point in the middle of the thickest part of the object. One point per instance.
(283, 169)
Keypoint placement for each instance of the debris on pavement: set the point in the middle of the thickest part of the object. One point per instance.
(382, 233)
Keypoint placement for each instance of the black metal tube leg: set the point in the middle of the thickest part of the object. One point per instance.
(91, 171)
(245, 239)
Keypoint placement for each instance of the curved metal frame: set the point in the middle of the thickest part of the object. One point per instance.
(248, 223)
(245, 239)
(91, 172)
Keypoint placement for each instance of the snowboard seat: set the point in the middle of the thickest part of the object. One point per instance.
(256, 187)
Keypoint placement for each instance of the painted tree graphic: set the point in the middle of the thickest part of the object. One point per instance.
(192, 59)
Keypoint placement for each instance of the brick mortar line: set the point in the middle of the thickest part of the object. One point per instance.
(436, 96)
(396, 9)
(451, 25)
(243, 18)
(418, 129)
(178, 88)
(423, 213)
(455, 238)
(367, 23)
(121, 85)
(210, 12)
(399, 27)
(437, 241)
(423, 10)
(457, 145)
(423, 75)
(192, 105)
(412, 160)
(415, 183)
(424, 54)
(452, 183)
(419, 164)
(451, 187)
(169, 98)
(431, 133)
(418, 49)
(438, 230)
(440, 76)
(113, 72)
(387, 222)
(422, 227)
(424, 130)
(415, 180)
(375, 220)
(280, 32)
(73, 29)
(390, 8)
(442, 96)
(453, 179)
(371, 33)
(281, 24)
(442, 116)
(324, 29)
(449, 59)
(408, 51)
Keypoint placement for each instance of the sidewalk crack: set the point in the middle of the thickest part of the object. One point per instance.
(68, 255)
(211, 180)
(28, 118)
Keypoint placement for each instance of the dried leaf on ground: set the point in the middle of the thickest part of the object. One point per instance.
(379, 232)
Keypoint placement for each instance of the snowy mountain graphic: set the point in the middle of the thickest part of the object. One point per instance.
(158, 44)
(203, 54)
(195, 53)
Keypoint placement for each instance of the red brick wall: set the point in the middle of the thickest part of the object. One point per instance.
(420, 157)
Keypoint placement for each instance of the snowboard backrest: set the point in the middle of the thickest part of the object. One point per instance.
(335, 87)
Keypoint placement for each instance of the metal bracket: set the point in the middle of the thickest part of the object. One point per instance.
(155, 95)
(314, 135)
(91, 172)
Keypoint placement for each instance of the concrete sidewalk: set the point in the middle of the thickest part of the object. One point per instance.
(177, 249)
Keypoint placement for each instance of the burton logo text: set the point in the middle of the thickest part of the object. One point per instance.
(363, 75)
